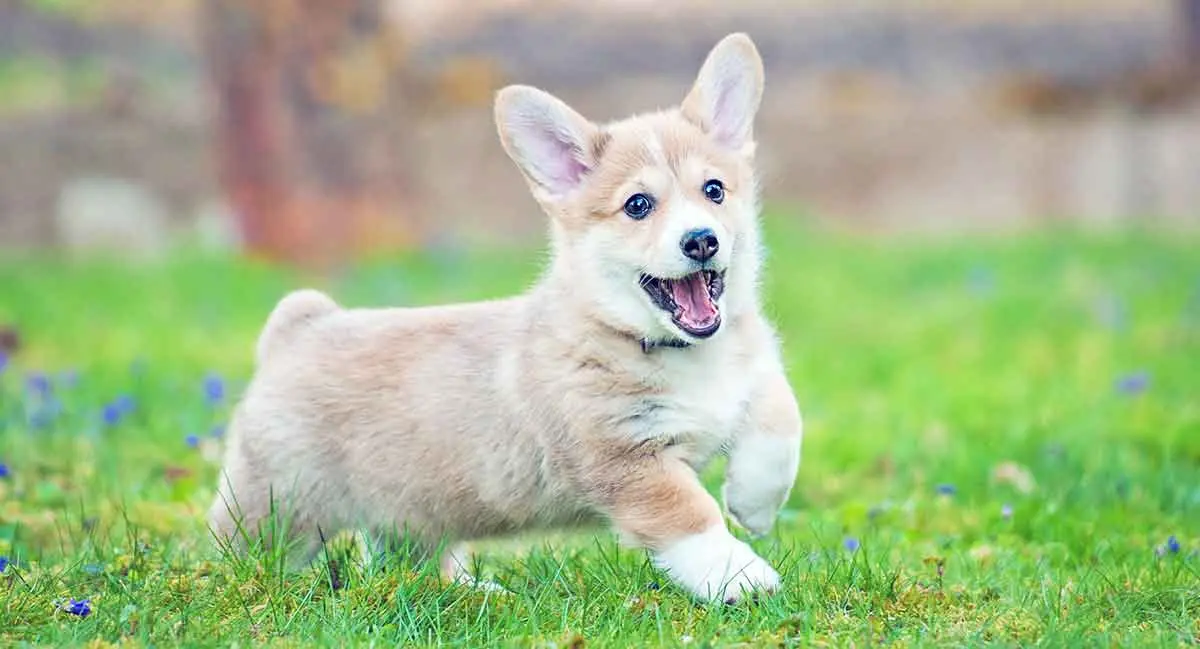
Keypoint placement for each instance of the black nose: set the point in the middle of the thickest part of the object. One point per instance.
(700, 245)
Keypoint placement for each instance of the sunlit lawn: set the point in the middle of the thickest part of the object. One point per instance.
(1003, 446)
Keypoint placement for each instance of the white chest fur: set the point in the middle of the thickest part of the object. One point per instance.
(702, 403)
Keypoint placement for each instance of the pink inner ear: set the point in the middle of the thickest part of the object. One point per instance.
(572, 169)
(554, 158)
(728, 121)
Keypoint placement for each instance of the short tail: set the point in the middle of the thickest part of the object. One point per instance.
(294, 312)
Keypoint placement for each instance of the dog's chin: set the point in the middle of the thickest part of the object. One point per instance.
(688, 303)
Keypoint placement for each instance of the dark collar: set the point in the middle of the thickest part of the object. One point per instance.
(650, 345)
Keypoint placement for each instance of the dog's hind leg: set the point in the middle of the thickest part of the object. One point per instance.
(246, 514)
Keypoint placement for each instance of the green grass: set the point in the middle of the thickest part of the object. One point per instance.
(917, 363)
(34, 84)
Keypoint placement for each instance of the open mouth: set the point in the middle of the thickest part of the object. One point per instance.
(691, 300)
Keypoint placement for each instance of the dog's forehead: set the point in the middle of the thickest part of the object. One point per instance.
(661, 140)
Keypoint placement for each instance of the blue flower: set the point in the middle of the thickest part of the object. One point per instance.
(3, 564)
(112, 414)
(217, 431)
(1132, 384)
(192, 441)
(946, 489)
(1173, 545)
(82, 608)
(38, 383)
(851, 544)
(125, 404)
(4, 472)
(214, 389)
(1006, 511)
(3, 360)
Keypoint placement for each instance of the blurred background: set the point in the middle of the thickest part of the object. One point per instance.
(314, 131)
(982, 218)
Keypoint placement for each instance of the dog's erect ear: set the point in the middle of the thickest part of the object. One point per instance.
(727, 92)
(553, 145)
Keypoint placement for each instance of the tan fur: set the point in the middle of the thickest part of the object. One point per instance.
(477, 420)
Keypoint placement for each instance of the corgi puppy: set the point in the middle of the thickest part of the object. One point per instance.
(596, 396)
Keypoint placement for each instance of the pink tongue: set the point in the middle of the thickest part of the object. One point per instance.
(691, 294)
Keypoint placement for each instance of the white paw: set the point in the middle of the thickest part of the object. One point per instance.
(716, 566)
(456, 566)
(485, 585)
(759, 477)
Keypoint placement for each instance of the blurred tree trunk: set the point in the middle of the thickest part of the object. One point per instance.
(310, 126)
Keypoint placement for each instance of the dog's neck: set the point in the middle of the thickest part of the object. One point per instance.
(551, 291)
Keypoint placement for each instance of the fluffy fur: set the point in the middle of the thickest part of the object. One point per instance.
(579, 400)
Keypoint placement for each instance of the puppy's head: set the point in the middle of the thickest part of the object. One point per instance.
(653, 217)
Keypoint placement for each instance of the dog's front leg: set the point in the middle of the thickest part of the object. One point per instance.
(656, 501)
(765, 457)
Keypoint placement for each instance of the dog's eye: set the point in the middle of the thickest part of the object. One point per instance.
(714, 191)
(638, 206)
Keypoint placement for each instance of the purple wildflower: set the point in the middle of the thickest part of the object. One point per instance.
(851, 544)
(4, 472)
(192, 441)
(125, 404)
(112, 414)
(38, 383)
(3, 360)
(81, 608)
(1132, 384)
(946, 489)
(214, 389)
(3, 564)
(1006, 511)
(1173, 545)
